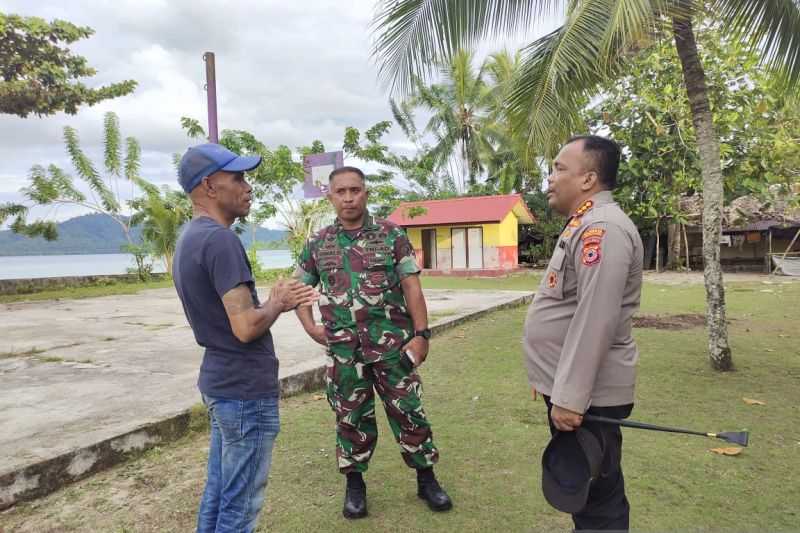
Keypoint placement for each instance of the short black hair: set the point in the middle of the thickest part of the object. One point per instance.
(344, 170)
(605, 153)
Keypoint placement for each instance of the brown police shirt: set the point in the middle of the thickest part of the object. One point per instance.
(577, 340)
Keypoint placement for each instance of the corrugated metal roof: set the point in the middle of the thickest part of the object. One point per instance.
(762, 225)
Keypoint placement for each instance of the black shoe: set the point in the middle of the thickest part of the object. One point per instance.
(355, 502)
(434, 495)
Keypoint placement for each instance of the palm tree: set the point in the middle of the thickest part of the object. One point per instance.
(563, 68)
(510, 166)
(161, 218)
(458, 106)
(302, 219)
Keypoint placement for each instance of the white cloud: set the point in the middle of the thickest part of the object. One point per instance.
(290, 72)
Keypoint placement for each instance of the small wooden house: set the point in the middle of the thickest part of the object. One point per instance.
(475, 235)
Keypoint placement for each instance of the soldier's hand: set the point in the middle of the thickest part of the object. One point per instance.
(534, 393)
(318, 334)
(419, 347)
(564, 419)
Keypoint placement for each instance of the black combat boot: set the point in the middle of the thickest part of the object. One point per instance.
(429, 490)
(355, 497)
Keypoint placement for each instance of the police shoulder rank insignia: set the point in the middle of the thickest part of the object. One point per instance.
(552, 280)
(591, 252)
(588, 204)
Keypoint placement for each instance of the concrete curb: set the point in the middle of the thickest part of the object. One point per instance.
(44, 477)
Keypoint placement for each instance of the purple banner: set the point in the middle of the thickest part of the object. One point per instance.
(317, 168)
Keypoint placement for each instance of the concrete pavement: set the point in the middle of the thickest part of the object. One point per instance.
(85, 382)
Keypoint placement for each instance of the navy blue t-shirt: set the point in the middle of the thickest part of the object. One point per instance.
(210, 261)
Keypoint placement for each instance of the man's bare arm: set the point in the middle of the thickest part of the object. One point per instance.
(249, 322)
(418, 309)
(314, 330)
(306, 317)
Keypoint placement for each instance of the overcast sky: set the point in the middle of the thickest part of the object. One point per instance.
(288, 71)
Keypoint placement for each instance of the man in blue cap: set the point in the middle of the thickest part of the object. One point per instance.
(239, 374)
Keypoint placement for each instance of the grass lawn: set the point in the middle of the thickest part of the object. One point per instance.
(114, 287)
(90, 291)
(491, 436)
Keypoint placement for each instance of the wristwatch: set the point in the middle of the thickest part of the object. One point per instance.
(424, 333)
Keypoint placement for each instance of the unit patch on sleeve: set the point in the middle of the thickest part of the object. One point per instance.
(592, 240)
(591, 252)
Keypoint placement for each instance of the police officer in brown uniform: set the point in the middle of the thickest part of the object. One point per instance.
(580, 354)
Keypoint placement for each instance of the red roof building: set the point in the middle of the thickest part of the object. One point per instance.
(476, 235)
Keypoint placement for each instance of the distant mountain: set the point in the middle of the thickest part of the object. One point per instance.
(94, 234)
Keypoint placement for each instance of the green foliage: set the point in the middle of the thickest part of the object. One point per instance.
(255, 265)
(273, 180)
(458, 106)
(302, 220)
(510, 165)
(560, 71)
(418, 171)
(87, 288)
(52, 186)
(647, 112)
(472, 138)
(161, 213)
(537, 241)
(193, 128)
(86, 170)
(39, 73)
(140, 253)
(265, 275)
(415, 211)
(269, 275)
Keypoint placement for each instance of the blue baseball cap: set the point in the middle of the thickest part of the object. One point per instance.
(205, 159)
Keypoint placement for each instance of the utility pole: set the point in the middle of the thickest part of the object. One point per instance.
(211, 92)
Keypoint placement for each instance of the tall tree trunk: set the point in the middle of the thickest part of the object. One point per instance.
(686, 243)
(711, 170)
(648, 251)
(673, 246)
(658, 245)
(168, 255)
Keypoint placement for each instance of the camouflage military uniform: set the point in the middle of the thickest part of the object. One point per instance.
(366, 323)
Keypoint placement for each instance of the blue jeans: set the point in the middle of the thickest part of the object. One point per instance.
(242, 435)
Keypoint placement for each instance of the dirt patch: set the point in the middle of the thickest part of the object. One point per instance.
(669, 322)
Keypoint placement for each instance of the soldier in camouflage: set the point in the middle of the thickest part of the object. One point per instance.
(375, 327)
